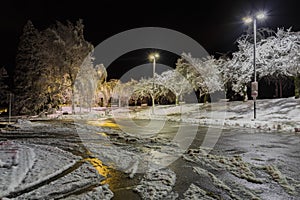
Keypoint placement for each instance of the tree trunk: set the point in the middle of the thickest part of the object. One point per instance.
(280, 88)
(153, 103)
(80, 104)
(199, 101)
(73, 101)
(105, 100)
(276, 89)
(297, 86)
(119, 99)
(87, 103)
(205, 98)
(90, 103)
(245, 96)
(177, 100)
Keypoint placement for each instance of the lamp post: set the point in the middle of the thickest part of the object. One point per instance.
(153, 58)
(254, 84)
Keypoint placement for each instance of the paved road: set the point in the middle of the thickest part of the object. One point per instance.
(243, 164)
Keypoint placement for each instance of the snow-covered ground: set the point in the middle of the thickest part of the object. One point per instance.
(46, 161)
(272, 114)
(67, 160)
(25, 166)
(74, 159)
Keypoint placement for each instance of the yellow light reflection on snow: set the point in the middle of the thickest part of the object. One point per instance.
(102, 134)
(103, 123)
(111, 177)
(98, 165)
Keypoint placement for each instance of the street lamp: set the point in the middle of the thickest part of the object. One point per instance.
(254, 84)
(153, 57)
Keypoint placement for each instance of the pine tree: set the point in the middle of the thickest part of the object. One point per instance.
(29, 98)
(4, 89)
(47, 64)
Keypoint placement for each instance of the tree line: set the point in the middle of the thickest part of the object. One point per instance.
(56, 66)
(47, 64)
(277, 57)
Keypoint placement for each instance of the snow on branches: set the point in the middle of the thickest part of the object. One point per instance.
(203, 74)
(276, 55)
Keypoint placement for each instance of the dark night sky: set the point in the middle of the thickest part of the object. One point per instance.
(214, 24)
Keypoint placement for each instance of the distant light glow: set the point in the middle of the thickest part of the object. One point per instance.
(247, 20)
(261, 15)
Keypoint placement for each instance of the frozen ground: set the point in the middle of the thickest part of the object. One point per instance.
(89, 156)
(274, 114)
(46, 161)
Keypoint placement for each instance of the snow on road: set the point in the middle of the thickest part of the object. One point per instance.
(39, 163)
(194, 192)
(78, 180)
(54, 163)
(101, 192)
(17, 160)
(27, 165)
(157, 184)
(251, 168)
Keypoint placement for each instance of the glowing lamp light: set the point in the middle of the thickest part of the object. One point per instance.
(260, 15)
(153, 56)
(247, 20)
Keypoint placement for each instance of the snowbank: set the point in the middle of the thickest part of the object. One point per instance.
(157, 184)
(272, 114)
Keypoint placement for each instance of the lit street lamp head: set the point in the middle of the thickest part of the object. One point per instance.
(153, 56)
(259, 16)
(247, 20)
(254, 84)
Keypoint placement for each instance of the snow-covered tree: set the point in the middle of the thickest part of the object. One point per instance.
(101, 73)
(47, 64)
(74, 50)
(281, 56)
(87, 81)
(202, 74)
(239, 69)
(175, 82)
(149, 88)
(59, 90)
(123, 92)
(106, 89)
(277, 56)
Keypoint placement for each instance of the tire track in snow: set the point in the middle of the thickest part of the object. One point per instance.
(68, 169)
